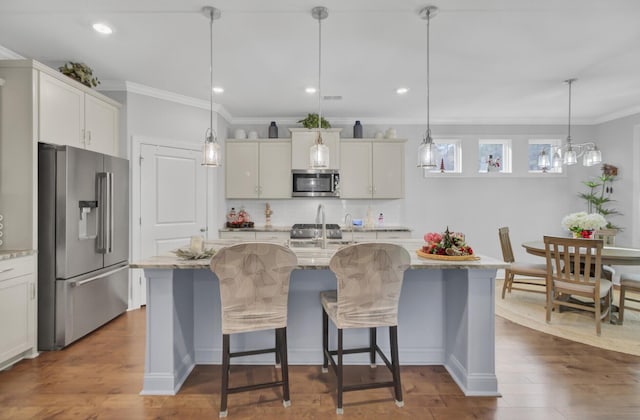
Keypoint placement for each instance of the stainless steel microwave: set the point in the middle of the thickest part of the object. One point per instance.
(315, 183)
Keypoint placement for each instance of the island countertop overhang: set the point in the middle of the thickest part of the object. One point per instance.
(318, 258)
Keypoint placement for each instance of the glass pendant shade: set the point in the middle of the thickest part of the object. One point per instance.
(427, 154)
(211, 152)
(570, 157)
(543, 160)
(319, 155)
(557, 160)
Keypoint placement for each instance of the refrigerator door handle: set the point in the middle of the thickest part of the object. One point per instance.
(110, 221)
(103, 212)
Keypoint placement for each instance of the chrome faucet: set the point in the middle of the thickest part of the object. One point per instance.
(323, 243)
(348, 223)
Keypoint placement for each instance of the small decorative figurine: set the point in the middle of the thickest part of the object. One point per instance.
(493, 165)
(442, 165)
(268, 212)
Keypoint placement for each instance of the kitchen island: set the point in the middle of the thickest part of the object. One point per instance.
(445, 317)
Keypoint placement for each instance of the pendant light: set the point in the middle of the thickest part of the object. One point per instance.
(319, 152)
(211, 155)
(569, 153)
(427, 149)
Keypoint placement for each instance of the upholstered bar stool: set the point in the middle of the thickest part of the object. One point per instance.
(519, 269)
(369, 281)
(254, 289)
(629, 282)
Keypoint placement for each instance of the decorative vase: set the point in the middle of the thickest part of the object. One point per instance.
(357, 130)
(273, 130)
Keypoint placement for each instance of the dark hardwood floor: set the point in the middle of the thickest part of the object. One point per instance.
(540, 377)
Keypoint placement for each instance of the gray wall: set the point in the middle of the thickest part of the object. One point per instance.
(476, 204)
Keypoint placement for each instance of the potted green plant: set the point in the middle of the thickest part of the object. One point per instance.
(80, 72)
(599, 196)
(311, 121)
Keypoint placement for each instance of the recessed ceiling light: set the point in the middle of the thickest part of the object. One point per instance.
(218, 89)
(310, 90)
(402, 90)
(102, 28)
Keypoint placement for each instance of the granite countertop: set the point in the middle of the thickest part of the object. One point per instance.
(344, 229)
(15, 253)
(317, 258)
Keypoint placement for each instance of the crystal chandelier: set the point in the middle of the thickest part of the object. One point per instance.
(427, 149)
(569, 153)
(211, 155)
(319, 152)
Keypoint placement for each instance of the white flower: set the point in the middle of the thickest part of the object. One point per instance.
(579, 221)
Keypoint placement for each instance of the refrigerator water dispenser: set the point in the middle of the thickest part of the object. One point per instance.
(88, 223)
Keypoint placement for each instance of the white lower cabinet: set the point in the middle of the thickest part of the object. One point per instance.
(372, 169)
(17, 309)
(258, 169)
(238, 236)
(273, 236)
(390, 234)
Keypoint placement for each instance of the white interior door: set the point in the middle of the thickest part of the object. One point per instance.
(172, 200)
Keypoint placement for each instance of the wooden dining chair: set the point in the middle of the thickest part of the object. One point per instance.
(574, 269)
(538, 271)
(629, 282)
(608, 236)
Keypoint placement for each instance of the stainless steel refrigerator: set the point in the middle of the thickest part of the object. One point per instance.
(83, 242)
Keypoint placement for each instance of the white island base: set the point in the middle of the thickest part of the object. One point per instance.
(446, 317)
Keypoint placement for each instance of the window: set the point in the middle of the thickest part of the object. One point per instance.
(536, 146)
(448, 157)
(494, 155)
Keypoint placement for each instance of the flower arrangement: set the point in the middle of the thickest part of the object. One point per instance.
(583, 223)
(446, 243)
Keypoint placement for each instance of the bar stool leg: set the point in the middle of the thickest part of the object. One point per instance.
(225, 375)
(395, 364)
(277, 350)
(286, 400)
(372, 346)
(339, 410)
(325, 341)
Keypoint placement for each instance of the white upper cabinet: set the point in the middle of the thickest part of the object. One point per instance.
(258, 169)
(275, 169)
(61, 112)
(355, 170)
(372, 169)
(70, 116)
(303, 138)
(100, 125)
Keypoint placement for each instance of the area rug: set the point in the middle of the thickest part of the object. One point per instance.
(527, 309)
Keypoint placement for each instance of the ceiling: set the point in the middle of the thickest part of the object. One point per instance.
(492, 61)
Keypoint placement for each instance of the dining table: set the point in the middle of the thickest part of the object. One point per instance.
(611, 255)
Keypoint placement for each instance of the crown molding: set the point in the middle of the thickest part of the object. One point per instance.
(617, 115)
(137, 88)
(7, 54)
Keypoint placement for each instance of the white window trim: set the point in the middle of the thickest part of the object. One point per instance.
(507, 153)
(554, 143)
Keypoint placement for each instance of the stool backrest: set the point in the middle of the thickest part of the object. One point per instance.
(254, 285)
(369, 282)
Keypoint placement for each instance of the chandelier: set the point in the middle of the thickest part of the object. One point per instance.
(569, 153)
